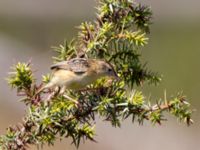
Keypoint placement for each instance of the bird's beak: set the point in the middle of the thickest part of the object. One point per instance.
(116, 77)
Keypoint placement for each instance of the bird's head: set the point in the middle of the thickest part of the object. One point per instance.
(106, 69)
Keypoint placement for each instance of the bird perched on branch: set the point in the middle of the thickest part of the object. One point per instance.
(76, 73)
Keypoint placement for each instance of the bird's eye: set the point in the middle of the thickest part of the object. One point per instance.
(109, 69)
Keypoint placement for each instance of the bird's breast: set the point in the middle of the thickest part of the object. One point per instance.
(73, 80)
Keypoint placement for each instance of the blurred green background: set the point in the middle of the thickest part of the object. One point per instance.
(28, 29)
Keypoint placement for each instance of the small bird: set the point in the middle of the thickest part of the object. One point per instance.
(77, 73)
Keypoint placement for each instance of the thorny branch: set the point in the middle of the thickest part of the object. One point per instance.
(116, 36)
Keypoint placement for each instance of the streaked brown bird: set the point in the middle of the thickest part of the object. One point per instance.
(77, 73)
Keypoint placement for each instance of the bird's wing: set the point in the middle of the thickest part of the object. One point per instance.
(77, 65)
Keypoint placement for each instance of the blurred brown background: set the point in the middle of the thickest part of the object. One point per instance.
(28, 29)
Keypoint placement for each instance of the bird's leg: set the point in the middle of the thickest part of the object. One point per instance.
(50, 96)
(62, 90)
(54, 93)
